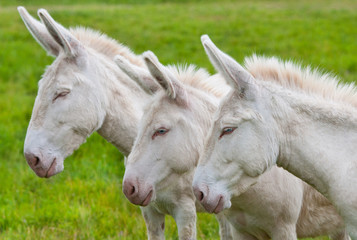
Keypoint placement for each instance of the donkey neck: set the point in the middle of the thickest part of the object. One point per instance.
(124, 105)
(318, 139)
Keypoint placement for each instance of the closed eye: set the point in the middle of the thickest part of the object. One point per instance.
(227, 131)
(59, 95)
(160, 132)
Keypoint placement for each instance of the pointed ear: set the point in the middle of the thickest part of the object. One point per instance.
(140, 75)
(235, 75)
(39, 32)
(61, 35)
(172, 86)
(160, 73)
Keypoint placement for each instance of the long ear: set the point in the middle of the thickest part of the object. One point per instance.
(173, 87)
(235, 75)
(160, 73)
(140, 75)
(39, 32)
(60, 34)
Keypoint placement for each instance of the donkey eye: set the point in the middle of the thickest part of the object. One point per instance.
(61, 94)
(226, 131)
(160, 132)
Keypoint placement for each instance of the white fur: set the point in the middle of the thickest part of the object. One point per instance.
(162, 169)
(166, 173)
(101, 97)
(305, 125)
(169, 179)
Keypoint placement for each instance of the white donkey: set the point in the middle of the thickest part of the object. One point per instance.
(81, 92)
(304, 123)
(160, 168)
(160, 179)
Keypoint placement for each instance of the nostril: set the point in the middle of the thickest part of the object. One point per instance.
(33, 160)
(132, 190)
(200, 196)
(129, 188)
(36, 161)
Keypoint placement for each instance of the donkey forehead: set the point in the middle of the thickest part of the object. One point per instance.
(162, 110)
(232, 113)
(61, 71)
(228, 107)
(235, 102)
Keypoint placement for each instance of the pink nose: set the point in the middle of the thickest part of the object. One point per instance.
(32, 160)
(131, 191)
(213, 203)
(200, 193)
(36, 163)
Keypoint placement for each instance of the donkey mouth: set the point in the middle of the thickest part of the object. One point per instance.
(147, 199)
(219, 206)
(52, 169)
(214, 206)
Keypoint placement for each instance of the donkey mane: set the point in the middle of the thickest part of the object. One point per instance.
(305, 79)
(200, 79)
(105, 45)
(189, 74)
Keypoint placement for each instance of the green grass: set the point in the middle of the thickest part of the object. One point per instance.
(86, 200)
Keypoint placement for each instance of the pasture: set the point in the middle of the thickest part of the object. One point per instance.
(86, 200)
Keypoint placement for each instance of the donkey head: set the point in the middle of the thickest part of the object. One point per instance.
(241, 142)
(166, 143)
(69, 104)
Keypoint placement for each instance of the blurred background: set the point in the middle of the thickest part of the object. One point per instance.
(86, 200)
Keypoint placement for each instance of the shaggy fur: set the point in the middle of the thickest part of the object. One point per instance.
(104, 44)
(307, 80)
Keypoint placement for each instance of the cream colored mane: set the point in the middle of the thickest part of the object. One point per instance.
(286, 73)
(199, 78)
(104, 44)
(307, 80)
(189, 74)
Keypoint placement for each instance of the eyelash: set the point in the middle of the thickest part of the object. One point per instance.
(160, 132)
(62, 94)
(227, 131)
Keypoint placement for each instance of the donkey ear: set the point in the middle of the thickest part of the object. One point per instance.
(160, 73)
(60, 34)
(235, 75)
(172, 86)
(140, 75)
(39, 32)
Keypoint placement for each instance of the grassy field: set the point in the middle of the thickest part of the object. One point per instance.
(86, 200)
